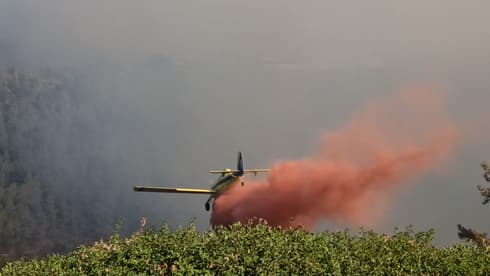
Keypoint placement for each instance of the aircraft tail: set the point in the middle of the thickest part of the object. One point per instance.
(239, 166)
(239, 171)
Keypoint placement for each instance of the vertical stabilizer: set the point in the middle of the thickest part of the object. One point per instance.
(239, 166)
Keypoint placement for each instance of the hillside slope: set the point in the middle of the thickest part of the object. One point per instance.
(53, 156)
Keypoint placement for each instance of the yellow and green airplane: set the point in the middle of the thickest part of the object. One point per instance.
(224, 182)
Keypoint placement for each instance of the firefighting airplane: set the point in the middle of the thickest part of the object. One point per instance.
(223, 183)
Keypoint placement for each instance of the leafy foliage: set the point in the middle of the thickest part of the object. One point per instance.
(485, 192)
(262, 250)
(472, 235)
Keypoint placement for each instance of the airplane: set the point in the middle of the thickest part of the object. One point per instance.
(223, 183)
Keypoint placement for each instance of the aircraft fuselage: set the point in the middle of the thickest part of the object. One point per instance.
(223, 183)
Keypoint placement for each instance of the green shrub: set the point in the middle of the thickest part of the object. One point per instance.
(262, 250)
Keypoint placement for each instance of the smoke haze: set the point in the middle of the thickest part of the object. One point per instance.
(163, 91)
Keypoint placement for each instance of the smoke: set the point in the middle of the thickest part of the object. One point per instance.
(355, 171)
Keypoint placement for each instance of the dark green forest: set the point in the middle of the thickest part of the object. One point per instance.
(54, 169)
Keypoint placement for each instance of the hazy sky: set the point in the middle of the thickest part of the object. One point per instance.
(209, 78)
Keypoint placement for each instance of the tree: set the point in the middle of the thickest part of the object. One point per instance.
(477, 237)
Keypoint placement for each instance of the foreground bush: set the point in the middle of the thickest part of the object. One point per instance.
(262, 250)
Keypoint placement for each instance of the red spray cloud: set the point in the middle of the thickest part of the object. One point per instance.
(358, 167)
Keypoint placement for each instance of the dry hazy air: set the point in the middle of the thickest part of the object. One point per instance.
(355, 171)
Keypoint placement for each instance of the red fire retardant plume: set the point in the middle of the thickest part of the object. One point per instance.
(355, 170)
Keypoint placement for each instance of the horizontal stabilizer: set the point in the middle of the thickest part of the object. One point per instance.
(255, 171)
(172, 190)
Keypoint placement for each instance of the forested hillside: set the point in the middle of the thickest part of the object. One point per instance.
(52, 167)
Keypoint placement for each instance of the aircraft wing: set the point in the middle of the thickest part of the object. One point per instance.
(172, 190)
